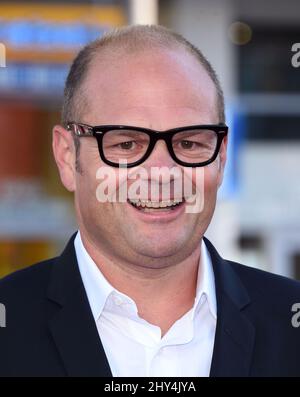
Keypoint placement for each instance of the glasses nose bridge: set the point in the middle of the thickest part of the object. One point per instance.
(161, 136)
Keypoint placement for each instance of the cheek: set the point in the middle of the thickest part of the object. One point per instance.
(105, 181)
(211, 180)
(86, 184)
(86, 194)
(121, 182)
(206, 181)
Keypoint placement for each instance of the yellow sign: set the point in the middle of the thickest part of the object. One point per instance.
(108, 15)
(46, 33)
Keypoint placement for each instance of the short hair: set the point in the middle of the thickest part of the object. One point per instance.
(130, 39)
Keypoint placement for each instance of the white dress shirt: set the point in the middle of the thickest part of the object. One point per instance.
(135, 347)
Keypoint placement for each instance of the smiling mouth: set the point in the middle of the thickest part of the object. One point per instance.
(156, 206)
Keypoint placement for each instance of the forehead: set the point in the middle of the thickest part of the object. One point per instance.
(119, 85)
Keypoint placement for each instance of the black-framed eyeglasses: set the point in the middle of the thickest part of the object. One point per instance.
(127, 146)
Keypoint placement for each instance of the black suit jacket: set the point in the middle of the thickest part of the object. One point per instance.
(50, 330)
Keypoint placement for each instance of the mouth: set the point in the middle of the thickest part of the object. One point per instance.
(148, 206)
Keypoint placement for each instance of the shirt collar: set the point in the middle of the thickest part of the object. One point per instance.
(206, 282)
(98, 289)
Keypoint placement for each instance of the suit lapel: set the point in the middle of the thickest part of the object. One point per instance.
(235, 334)
(75, 334)
(72, 324)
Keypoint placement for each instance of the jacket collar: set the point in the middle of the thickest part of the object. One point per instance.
(72, 325)
(235, 334)
(76, 336)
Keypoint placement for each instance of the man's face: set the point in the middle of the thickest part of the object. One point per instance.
(159, 90)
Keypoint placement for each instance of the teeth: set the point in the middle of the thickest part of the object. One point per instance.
(155, 204)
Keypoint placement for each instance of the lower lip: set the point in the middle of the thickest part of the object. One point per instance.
(158, 215)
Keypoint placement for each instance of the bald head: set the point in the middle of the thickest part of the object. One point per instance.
(116, 45)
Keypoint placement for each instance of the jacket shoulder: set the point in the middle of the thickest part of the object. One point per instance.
(271, 286)
(28, 282)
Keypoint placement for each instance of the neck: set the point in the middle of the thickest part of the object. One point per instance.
(162, 295)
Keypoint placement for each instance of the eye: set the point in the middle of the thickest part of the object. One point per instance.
(187, 144)
(127, 145)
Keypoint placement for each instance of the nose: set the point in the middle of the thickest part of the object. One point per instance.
(160, 156)
(162, 172)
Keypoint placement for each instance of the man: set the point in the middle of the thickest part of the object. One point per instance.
(139, 291)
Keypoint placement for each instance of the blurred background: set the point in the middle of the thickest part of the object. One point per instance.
(257, 220)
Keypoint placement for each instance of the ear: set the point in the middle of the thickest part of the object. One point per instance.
(222, 160)
(65, 156)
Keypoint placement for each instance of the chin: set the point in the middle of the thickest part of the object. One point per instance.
(159, 249)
